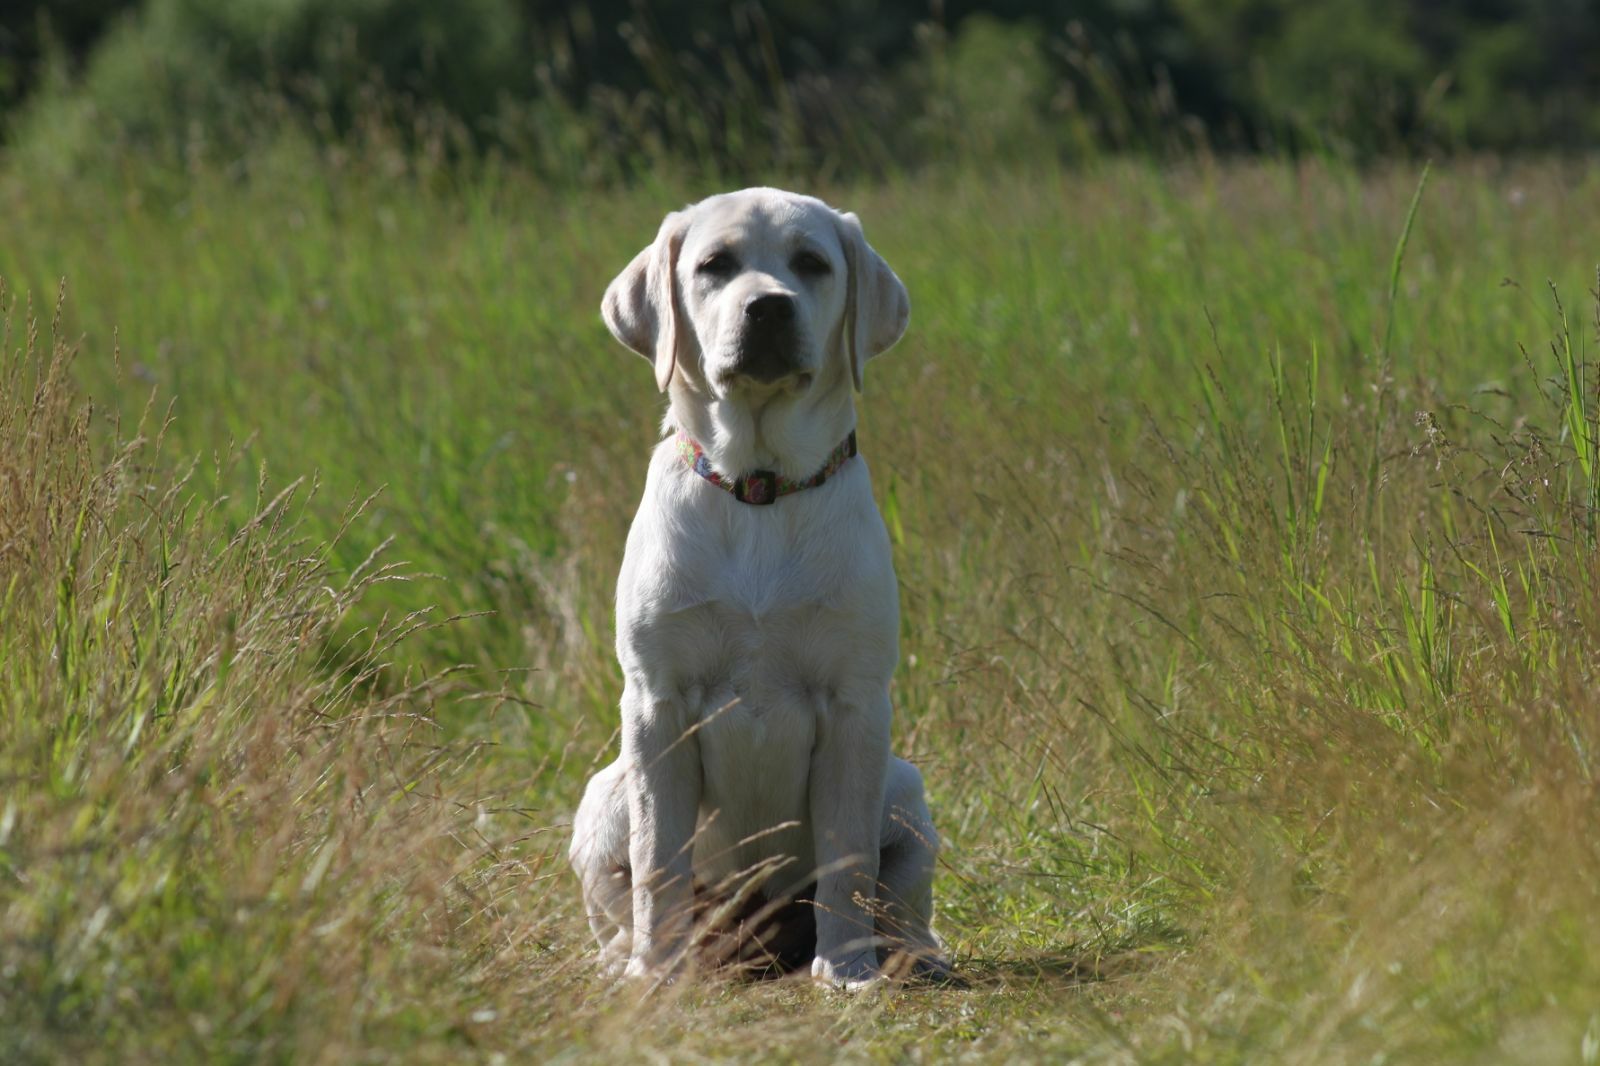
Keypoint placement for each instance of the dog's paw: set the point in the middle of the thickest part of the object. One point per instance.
(614, 956)
(852, 974)
(648, 975)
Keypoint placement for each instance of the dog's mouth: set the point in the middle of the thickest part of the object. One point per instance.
(795, 383)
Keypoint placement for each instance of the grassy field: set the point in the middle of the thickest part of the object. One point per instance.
(1246, 528)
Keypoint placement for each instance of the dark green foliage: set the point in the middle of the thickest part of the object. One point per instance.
(1462, 74)
(30, 30)
(612, 87)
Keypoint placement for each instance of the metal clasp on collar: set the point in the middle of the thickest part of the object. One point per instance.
(757, 487)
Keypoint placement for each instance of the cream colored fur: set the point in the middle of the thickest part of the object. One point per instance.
(757, 642)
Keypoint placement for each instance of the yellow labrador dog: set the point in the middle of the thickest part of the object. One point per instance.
(757, 616)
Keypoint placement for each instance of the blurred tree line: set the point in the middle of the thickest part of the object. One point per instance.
(856, 82)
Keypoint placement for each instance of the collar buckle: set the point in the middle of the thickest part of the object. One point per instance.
(759, 487)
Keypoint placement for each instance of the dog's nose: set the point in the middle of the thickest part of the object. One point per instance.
(770, 309)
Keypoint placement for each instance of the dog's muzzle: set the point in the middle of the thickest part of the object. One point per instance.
(769, 340)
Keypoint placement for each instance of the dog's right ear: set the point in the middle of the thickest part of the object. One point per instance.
(641, 305)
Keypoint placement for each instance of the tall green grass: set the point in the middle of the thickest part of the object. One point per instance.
(1248, 589)
(229, 829)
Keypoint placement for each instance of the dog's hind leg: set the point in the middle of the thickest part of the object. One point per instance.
(599, 854)
(906, 865)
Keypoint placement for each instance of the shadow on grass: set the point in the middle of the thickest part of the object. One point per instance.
(1068, 970)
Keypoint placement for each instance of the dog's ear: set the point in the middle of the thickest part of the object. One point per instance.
(641, 305)
(877, 306)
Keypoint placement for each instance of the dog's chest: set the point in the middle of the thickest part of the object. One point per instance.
(769, 606)
(767, 642)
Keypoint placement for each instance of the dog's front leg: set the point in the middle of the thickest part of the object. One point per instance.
(848, 770)
(663, 803)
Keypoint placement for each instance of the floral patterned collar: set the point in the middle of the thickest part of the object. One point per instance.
(761, 487)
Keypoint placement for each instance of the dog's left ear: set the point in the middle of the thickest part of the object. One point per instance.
(640, 306)
(877, 306)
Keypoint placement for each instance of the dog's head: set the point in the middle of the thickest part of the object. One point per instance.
(758, 291)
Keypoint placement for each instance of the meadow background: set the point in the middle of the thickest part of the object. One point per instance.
(1241, 466)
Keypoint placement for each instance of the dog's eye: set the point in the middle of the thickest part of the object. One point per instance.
(718, 265)
(810, 264)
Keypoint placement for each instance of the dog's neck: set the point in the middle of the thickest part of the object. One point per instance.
(789, 434)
